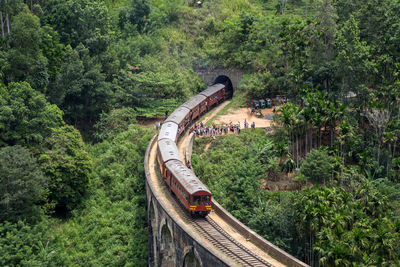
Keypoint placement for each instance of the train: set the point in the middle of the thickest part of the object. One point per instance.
(192, 194)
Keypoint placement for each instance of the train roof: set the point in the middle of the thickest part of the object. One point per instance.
(194, 102)
(178, 115)
(186, 177)
(212, 89)
(169, 130)
(168, 150)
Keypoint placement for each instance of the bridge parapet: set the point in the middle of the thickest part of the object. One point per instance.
(174, 243)
(171, 242)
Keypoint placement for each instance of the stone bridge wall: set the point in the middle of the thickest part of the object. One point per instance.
(172, 243)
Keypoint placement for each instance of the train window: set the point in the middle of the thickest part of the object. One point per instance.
(206, 200)
(196, 201)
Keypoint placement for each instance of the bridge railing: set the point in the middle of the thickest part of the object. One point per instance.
(264, 244)
(180, 226)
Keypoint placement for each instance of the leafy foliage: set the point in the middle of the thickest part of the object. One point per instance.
(319, 166)
(25, 244)
(22, 185)
(64, 160)
(111, 227)
(352, 224)
(25, 116)
(115, 122)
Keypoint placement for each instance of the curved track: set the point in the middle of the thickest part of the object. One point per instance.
(213, 230)
(219, 238)
(222, 240)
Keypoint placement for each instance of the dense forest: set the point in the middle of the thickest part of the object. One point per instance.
(76, 76)
(336, 139)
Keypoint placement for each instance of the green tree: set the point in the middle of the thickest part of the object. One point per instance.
(139, 12)
(25, 116)
(26, 61)
(115, 122)
(80, 21)
(80, 89)
(69, 79)
(64, 160)
(24, 244)
(319, 166)
(355, 66)
(22, 184)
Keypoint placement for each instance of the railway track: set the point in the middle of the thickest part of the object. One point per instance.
(219, 238)
(236, 246)
(213, 233)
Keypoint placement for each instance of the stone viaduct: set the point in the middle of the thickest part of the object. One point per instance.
(173, 243)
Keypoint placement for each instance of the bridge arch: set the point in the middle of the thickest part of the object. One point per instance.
(152, 215)
(153, 230)
(191, 258)
(167, 247)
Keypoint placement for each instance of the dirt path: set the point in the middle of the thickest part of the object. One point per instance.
(214, 112)
(240, 114)
(207, 147)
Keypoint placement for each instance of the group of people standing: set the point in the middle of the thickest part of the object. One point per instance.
(203, 130)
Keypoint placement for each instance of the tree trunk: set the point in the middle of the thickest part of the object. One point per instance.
(293, 145)
(394, 149)
(2, 22)
(297, 151)
(305, 151)
(389, 161)
(319, 135)
(7, 19)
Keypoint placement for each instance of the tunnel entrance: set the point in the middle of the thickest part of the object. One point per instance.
(228, 84)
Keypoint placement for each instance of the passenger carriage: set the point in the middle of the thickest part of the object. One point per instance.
(192, 193)
(181, 180)
(169, 130)
(166, 151)
(214, 94)
(197, 106)
(181, 117)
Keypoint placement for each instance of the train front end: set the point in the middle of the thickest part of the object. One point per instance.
(200, 203)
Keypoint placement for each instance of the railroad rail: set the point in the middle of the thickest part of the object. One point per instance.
(223, 241)
(220, 239)
(209, 238)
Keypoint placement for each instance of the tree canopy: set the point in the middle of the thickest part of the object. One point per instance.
(22, 185)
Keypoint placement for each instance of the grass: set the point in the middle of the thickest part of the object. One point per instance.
(238, 101)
